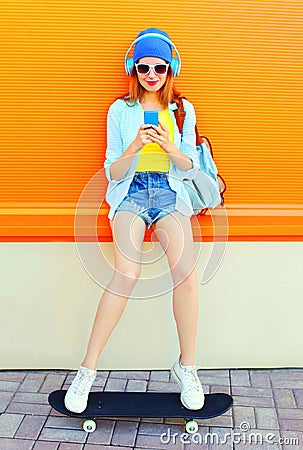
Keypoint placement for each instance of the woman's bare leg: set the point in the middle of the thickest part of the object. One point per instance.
(128, 233)
(176, 237)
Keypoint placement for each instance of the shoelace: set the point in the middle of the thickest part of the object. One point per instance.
(192, 380)
(82, 383)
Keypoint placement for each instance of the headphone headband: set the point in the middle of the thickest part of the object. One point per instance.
(176, 63)
(155, 35)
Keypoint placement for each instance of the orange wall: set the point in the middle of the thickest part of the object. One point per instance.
(62, 65)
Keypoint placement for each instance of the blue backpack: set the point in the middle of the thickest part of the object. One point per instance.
(207, 188)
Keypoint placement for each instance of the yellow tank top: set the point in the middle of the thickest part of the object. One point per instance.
(152, 157)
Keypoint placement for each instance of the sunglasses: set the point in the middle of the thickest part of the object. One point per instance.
(159, 69)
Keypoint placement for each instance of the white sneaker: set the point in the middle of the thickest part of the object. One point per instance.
(77, 395)
(192, 396)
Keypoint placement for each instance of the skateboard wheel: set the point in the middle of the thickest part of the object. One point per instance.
(191, 427)
(89, 426)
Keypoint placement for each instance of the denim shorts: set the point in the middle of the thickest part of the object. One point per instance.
(149, 196)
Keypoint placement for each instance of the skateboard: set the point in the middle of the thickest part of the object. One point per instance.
(142, 404)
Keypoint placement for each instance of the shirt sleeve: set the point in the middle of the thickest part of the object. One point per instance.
(114, 148)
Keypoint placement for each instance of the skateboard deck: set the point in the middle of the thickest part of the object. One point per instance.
(143, 404)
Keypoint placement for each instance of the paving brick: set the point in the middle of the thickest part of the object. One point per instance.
(260, 379)
(33, 398)
(12, 376)
(291, 425)
(28, 408)
(290, 413)
(290, 384)
(62, 435)
(9, 386)
(199, 441)
(244, 446)
(298, 394)
(253, 401)
(217, 388)
(52, 382)
(293, 440)
(40, 445)
(65, 446)
(288, 379)
(115, 384)
(101, 377)
(30, 427)
(256, 439)
(225, 420)
(160, 386)
(56, 413)
(5, 398)
(97, 389)
(9, 423)
(251, 391)
(287, 375)
(70, 376)
(213, 380)
(64, 422)
(240, 378)
(168, 441)
(106, 447)
(244, 414)
(130, 375)
(157, 429)
(136, 385)
(215, 372)
(266, 418)
(159, 375)
(16, 444)
(219, 438)
(103, 433)
(284, 398)
(32, 382)
(125, 433)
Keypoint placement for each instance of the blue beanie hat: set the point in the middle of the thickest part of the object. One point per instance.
(153, 46)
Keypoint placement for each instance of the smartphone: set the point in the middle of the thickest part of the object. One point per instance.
(151, 117)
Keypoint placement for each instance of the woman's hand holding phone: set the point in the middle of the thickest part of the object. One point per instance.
(160, 135)
(143, 137)
(152, 131)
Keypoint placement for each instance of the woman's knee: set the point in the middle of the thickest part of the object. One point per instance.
(185, 275)
(125, 279)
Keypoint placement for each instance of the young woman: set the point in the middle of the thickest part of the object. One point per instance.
(145, 166)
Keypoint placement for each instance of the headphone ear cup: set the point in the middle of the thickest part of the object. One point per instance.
(175, 67)
(129, 65)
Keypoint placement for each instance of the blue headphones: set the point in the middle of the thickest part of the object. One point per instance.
(175, 63)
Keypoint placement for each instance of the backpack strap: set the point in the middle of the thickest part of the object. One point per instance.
(180, 117)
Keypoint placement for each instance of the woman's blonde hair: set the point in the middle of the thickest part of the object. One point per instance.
(167, 94)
